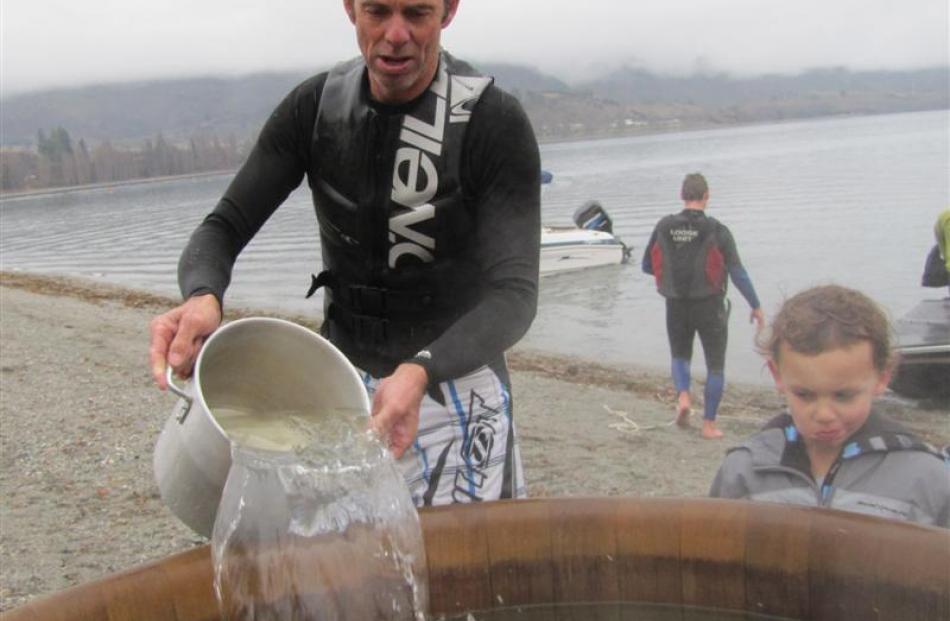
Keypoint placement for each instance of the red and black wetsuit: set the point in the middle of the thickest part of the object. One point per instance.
(690, 256)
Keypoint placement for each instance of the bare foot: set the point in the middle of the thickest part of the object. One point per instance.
(709, 430)
(683, 409)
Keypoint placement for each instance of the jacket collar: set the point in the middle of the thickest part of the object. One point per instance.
(780, 443)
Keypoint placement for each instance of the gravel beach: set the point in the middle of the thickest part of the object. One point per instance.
(79, 416)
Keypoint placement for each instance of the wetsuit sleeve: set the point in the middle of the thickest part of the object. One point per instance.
(740, 278)
(731, 479)
(647, 263)
(273, 169)
(738, 274)
(501, 172)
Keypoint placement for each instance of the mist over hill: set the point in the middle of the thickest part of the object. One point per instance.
(135, 111)
(627, 100)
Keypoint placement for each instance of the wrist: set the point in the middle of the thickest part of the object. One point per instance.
(423, 362)
(209, 302)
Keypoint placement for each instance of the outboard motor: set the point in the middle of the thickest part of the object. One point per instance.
(591, 215)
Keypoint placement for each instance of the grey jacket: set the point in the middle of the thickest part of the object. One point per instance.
(883, 470)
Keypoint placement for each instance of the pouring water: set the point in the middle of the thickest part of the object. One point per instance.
(315, 523)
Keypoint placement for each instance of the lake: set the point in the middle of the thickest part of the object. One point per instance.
(846, 200)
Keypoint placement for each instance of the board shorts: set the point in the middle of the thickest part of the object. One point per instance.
(466, 449)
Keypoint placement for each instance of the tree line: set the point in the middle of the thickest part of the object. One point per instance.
(59, 161)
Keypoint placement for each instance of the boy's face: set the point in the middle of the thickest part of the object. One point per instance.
(829, 395)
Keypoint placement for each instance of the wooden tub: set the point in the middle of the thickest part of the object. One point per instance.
(791, 562)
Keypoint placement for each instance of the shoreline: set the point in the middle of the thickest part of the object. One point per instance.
(659, 130)
(592, 136)
(52, 191)
(575, 369)
(646, 382)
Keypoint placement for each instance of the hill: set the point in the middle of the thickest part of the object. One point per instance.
(626, 100)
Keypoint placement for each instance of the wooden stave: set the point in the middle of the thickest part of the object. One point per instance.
(794, 562)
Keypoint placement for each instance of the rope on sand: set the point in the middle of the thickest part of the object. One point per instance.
(628, 425)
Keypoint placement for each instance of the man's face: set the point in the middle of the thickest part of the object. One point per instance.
(399, 40)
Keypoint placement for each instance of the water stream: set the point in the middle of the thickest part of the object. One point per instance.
(315, 523)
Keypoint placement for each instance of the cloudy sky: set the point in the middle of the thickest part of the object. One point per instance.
(51, 43)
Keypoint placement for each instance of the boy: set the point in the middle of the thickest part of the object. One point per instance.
(830, 356)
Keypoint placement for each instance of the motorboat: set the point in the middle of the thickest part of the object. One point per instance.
(923, 343)
(568, 248)
(590, 243)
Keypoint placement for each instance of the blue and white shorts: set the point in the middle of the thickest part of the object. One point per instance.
(466, 449)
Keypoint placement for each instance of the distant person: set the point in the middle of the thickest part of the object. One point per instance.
(829, 351)
(690, 255)
(425, 178)
(937, 268)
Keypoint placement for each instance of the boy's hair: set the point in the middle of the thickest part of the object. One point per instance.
(694, 187)
(829, 317)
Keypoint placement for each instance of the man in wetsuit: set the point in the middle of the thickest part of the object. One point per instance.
(690, 254)
(425, 180)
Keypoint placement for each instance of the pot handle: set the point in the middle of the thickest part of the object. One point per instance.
(169, 378)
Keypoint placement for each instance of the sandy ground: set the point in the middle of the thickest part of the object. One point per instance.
(79, 416)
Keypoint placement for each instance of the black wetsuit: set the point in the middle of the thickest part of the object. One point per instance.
(486, 290)
(429, 217)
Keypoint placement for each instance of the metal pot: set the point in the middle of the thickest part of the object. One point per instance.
(257, 365)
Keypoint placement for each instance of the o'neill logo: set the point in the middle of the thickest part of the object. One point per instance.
(415, 174)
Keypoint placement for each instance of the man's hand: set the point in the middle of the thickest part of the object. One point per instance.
(759, 318)
(177, 336)
(395, 415)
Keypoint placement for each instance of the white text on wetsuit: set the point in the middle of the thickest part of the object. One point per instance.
(683, 236)
(416, 179)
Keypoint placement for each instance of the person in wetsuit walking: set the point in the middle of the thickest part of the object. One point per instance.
(690, 254)
(425, 181)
